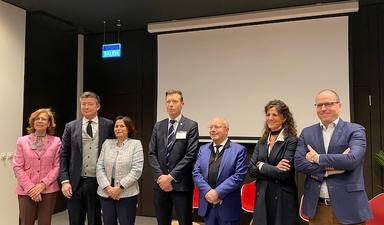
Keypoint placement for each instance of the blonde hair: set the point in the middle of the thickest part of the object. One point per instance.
(51, 120)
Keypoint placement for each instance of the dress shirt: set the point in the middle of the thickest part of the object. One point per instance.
(222, 144)
(327, 135)
(94, 124)
(177, 119)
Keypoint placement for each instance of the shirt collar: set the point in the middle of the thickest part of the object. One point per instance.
(95, 120)
(222, 144)
(124, 142)
(177, 118)
(333, 124)
(280, 137)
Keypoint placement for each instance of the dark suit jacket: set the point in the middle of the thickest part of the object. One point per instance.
(232, 171)
(281, 184)
(346, 190)
(71, 151)
(182, 154)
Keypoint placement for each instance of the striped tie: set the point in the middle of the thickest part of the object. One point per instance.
(170, 139)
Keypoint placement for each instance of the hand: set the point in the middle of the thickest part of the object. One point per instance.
(334, 172)
(312, 156)
(165, 183)
(114, 192)
(38, 198)
(36, 190)
(66, 188)
(283, 165)
(212, 196)
(346, 151)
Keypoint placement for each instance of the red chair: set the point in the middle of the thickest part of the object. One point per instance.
(195, 200)
(301, 211)
(377, 207)
(248, 193)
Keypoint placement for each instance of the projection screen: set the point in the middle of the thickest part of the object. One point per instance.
(234, 72)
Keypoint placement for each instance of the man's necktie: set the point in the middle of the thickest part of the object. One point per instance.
(217, 147)
(170, 139)
(89, 128)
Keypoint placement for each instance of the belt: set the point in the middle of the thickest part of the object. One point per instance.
(325, 201)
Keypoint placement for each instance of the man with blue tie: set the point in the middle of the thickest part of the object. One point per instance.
(331, 155)
(172, 152)
(80, 149)
(219, 172)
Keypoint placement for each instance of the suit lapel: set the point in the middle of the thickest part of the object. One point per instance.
(319, 140)
(226, 157)
(206, 155)
(275, 152)
(164, 129)
(101, 133)
(78, 134)
(263, 151)
(336, 136)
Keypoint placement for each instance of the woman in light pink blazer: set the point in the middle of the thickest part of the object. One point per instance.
(36, 166)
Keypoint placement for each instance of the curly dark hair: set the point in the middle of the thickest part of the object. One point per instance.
(288, 124)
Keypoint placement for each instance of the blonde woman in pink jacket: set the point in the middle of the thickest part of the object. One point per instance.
(36, 166)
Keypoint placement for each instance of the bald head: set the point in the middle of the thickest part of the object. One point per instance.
(330, 92)
(218, 129)
(328, 106)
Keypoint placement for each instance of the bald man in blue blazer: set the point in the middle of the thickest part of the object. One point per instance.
(219, 172)
(331, 155)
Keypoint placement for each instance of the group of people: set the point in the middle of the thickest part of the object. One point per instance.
(99, 164)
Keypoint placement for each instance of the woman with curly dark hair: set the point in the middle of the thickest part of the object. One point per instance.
(272, 165)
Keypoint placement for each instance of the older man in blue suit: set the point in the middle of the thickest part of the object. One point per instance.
(331, 154)
(219, 172)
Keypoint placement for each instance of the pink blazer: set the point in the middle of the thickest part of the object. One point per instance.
(32, 166)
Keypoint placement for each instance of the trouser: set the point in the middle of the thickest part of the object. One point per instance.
(42, 211)
(123, 210)
(85, 201)
(325, 216)
(212, 217)
(164, 202)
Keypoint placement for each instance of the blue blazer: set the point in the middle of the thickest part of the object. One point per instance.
(182, 154)
(71, 151)
(232, 171)
(346, 191)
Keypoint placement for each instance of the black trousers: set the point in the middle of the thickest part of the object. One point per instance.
(123, 210)
(164, 202)
(85, 202)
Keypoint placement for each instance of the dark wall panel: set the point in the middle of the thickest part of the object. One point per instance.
(127, 86)
(50, 71)
(367, 69)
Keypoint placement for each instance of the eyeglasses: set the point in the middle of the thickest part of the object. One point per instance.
(327, 105)
(215, 127)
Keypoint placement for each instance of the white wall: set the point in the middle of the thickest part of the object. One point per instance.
(12, 48)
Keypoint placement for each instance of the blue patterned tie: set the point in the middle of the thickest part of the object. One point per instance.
(170, 139)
